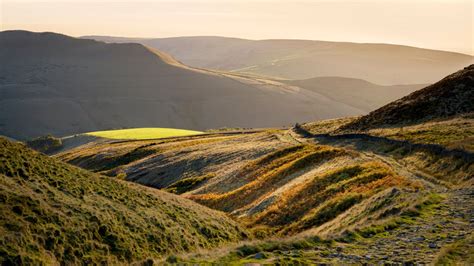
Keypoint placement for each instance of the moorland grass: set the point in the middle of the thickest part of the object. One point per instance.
(302, 207)
(282, 166)
(186, 184)
(54, 213)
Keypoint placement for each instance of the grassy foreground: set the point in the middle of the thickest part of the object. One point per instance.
(144, 133)
(53, 213)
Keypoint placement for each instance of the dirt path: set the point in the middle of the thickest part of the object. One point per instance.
(419, 242)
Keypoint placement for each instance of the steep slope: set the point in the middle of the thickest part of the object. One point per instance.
(453, 95)
(54, 213)
(302, 59)
(51, 83)
(356, 92)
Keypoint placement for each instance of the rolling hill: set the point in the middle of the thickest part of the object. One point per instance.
(385, 64)
(356, 92)
(451, 96)
(369, 195)
(55, 84)
(55, 213)
(314, 194)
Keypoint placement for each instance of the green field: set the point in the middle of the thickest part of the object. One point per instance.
(144, 133)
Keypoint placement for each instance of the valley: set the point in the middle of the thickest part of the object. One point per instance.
(60, 85)
(116, 153)
(291, 183)
(321, 191)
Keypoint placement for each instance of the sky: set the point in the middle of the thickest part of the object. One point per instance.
(436, 24)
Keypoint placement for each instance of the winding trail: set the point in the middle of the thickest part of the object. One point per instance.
(412, 243)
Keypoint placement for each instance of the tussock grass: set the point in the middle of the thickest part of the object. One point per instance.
(107, 163)
(329, 211)
(187, 184)
(457, 133)
(108, 158)
(327, 195)
(460, 252)
(247, 252)
(407, 213)
(327, 126)
(275, 171)
(55, 213)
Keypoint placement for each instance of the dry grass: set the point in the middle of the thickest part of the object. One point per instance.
(457, 133)
(298, 205)
(273, 176)
(327, 126)
(54, 213)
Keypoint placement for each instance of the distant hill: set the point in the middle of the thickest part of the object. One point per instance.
(54, 213)
(358, 93)
(55, 84)
(453, 95)
(385, 64)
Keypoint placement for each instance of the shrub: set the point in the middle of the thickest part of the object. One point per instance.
(45, 144)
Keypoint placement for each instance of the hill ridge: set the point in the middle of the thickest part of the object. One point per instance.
(120, 38)
(302, 59)
(66, 85)
(451, 96)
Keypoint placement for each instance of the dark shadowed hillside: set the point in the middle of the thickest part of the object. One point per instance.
(53, 213)
(453, 95)
(55, 84)
(385, 64)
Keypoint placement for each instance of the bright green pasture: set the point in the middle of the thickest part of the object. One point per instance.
(143, 133)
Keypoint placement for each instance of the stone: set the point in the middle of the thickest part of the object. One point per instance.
(259, 256)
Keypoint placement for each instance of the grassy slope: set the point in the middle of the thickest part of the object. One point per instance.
(143, 133)
(251, 182)
(403, 238)
(451, 96)
(452, 133)
(456, 133)
(280, 184)
(374, 190)
(53, 212)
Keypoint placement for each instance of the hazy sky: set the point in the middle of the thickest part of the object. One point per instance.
(438, 24)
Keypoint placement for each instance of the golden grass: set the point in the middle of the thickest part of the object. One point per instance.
(54, 213)
(276, 172)
(304, 200)
(457, 133)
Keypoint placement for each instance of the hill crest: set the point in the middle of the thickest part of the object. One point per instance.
(453, 95)
(59, 85)
(386, 64)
